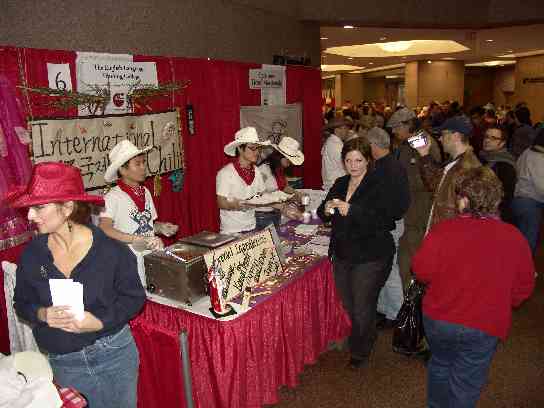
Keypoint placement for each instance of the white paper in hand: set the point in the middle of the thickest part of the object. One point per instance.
(66, 292)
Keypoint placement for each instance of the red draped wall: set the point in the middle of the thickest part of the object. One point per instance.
(217, 90)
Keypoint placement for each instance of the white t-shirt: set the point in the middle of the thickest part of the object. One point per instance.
(128, 219)
(270, 184)
(230, 185)
(332, 165)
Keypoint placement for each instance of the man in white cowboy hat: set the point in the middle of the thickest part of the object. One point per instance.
(129, 210)
(239, 181)
(332, 165)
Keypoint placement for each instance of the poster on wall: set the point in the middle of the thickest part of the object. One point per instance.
(118, 72)
(270, 79)
(86, 142)
(274, 122)
(244, 263)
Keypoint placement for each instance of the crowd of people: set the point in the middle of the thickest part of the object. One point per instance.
(452, 199)
(467, 194)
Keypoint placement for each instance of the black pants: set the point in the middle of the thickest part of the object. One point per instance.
(359, 286)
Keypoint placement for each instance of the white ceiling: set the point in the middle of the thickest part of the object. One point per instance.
(524, 40)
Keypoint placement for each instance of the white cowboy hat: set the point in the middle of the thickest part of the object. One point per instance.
(290, 149)
(245, 135)
(121, 153)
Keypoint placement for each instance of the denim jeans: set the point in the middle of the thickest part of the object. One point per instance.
(527, 215)
(106, 372)
(459, 364)
(359, 286)
(391, 295)
(264, 218)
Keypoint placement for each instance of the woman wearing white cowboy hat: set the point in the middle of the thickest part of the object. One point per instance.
(239, 181)
(129, 212)
(286, 154)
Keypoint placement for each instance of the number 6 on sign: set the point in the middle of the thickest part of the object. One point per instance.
(59, 76)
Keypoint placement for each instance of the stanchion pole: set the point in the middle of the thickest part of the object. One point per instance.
(186, 366)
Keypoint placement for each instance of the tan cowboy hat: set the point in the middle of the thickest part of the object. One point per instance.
(121, 153)
(290, 149)
(247, 135)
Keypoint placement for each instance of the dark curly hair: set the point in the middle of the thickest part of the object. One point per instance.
(482, 188)
(362, 145)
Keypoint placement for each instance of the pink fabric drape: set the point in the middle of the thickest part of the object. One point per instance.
(243, 362)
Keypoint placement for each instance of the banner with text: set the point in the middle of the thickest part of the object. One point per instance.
(274, 122)
(271, 80)
(114, 71)
(245, 262)
(86, 142)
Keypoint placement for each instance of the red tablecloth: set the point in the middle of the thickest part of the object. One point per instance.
(242, 362)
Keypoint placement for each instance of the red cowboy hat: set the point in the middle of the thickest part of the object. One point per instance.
(52, 182)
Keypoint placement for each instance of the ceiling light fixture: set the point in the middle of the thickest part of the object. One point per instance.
(324, 38)
(489, 40)
(348, 27)
(429, 62)
(340, 67)
(397, 46)
(370, 63)
(383, 38)
(491, 63)
(350, 58)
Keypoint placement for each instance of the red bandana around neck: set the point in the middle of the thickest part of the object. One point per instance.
(137, 194)
(281, 180)
(248, 175)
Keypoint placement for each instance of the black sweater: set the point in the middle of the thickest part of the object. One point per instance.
(112, 290)
(381, 198)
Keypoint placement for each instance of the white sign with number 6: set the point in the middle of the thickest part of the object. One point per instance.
(59, 76)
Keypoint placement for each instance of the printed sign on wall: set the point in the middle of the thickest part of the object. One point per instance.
(244, 263)
(86, 142)
(118, 72)
(274, 122)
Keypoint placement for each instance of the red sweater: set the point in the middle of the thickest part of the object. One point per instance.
(476, 271)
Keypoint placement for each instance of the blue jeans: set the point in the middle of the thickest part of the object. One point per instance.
(106, 372)
(459, 364)
(527, 215)
(392, 295)
(264, 218)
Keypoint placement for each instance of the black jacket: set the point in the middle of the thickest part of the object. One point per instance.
(364, 234)
(112, 290)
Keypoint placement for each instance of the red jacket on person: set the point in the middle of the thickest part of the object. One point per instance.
(476, 270)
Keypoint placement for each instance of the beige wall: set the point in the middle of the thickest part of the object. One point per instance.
(217, 29)
(504, 84)
(532, 93)
(441, 80)
(352, 88)
(374, 89)
(411, 83)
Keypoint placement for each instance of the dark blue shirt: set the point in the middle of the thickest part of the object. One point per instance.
(112, 290)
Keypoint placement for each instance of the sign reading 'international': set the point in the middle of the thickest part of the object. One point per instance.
(86, 142)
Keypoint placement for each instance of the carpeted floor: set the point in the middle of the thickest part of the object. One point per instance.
(393, 381)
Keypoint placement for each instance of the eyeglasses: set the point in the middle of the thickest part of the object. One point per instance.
(498, 139)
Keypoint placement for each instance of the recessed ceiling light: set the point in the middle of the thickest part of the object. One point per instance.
(383, 38)
(370, 63)
(489, 40)
(324, 38)
(348, 26)
(403, 57)
(448, 58)
(350, 58)
(429, 62)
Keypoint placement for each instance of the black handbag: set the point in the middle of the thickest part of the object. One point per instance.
(408, 334)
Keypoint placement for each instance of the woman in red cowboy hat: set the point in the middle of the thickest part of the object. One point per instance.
(95, 352)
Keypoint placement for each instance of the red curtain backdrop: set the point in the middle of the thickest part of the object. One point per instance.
(216, 92)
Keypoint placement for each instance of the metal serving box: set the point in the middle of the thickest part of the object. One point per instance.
(178, 272)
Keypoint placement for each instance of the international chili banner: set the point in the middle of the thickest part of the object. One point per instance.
(244, 263)
(86, 142)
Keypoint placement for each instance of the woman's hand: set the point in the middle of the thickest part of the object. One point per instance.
(61, 317)
(154, 243)
(342, 206)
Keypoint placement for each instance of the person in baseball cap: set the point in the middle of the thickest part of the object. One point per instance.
(129, 212)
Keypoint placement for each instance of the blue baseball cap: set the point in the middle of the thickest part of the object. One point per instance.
(460, 124)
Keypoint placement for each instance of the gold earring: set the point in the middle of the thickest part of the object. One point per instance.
(70, 226)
